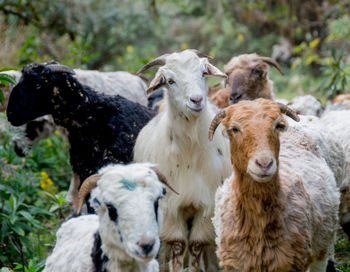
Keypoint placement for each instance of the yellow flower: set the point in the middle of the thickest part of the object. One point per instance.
(57, 132)
(314, 43)
(212, 54)
(184, 46)
(119, 59)
(46, 183)
(129, 49)
(240, 37)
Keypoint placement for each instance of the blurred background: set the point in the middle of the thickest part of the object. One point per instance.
(309, 38)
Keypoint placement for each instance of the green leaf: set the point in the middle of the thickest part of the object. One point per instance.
(2, 98)
(18, 230)
(7, 69)
(6, 78)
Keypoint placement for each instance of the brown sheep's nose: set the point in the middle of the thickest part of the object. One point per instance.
(264, 163)
(196, 99)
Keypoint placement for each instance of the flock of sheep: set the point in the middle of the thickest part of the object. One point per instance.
(181, 180)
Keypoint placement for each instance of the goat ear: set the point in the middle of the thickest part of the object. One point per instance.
(156, 83)
(213, 71)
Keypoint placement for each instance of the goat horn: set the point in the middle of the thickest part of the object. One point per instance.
(273, 63)
(157, 61)
(58, 68)
(85, 189)
(214, 124)
(163, 179)
(289, 112)
(200, 54)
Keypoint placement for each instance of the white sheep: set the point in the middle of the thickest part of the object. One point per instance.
(176, 140)
(278, 212)
(306, 105)
(123, 236)
(338, 122)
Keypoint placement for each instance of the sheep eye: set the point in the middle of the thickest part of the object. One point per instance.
(171, 81)
(280, 126)
(164, 191)
(112, 212)
(235, 130)
(156, 205)
(256, 72)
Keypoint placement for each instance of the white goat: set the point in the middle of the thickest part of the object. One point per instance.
(177, 141)
(123, 236)
(275, 213)
(338, 122)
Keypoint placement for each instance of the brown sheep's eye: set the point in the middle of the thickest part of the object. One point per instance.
(170, 81)
(235, 130)
(280, 126)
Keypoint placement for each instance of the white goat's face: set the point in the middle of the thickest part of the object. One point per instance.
(127, 205)
(183, 76)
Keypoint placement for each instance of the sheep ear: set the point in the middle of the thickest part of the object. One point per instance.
(156, 83)
(213, 71)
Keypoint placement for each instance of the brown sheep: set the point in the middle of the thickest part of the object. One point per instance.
(248, 77)
(275, 213)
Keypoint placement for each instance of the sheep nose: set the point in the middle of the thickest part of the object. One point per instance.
(264, 163)
(234, 98)
(146, 245)
(196, 99)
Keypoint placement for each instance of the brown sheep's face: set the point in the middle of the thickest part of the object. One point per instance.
(253, 128)
(247, 82)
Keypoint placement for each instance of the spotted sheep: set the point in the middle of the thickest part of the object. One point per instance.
(124, 234)
(176, 141)
(88, 116)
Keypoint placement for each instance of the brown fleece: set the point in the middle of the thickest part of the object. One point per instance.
(261, 232)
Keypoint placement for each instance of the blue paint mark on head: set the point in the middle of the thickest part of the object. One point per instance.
(129, 185)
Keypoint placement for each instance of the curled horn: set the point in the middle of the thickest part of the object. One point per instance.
(200, 54)
(162, 179)
(273, 63)
(214, 124)
(58, 68)
(85, 189)
(289, 112)
(157, 61)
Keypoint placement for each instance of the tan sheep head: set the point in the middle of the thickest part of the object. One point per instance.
(253, 129)
(248, 77)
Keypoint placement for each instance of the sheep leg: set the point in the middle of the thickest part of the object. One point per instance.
(173, 235)
(202, 245)
(210, 259)
(177, 253)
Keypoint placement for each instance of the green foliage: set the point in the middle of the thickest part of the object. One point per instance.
(5, 80)
(30, 207)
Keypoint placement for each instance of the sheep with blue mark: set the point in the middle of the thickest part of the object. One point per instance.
(124, 235)
(102, 128)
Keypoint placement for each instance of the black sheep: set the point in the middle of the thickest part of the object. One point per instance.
(102, 128)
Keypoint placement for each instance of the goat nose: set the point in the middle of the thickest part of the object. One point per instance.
(146, 245)
(234, 98)
(196, 99)
(265, 163)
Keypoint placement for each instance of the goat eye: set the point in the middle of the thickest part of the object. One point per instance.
(280, 126)
(256, 72)
(164, 191)
(171, 81)
(156, 205)
(112, 212)
(235, 130)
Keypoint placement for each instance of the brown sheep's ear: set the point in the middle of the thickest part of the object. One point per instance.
(156, 83)
(215, 123)
(213, 71)
(163, 179)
